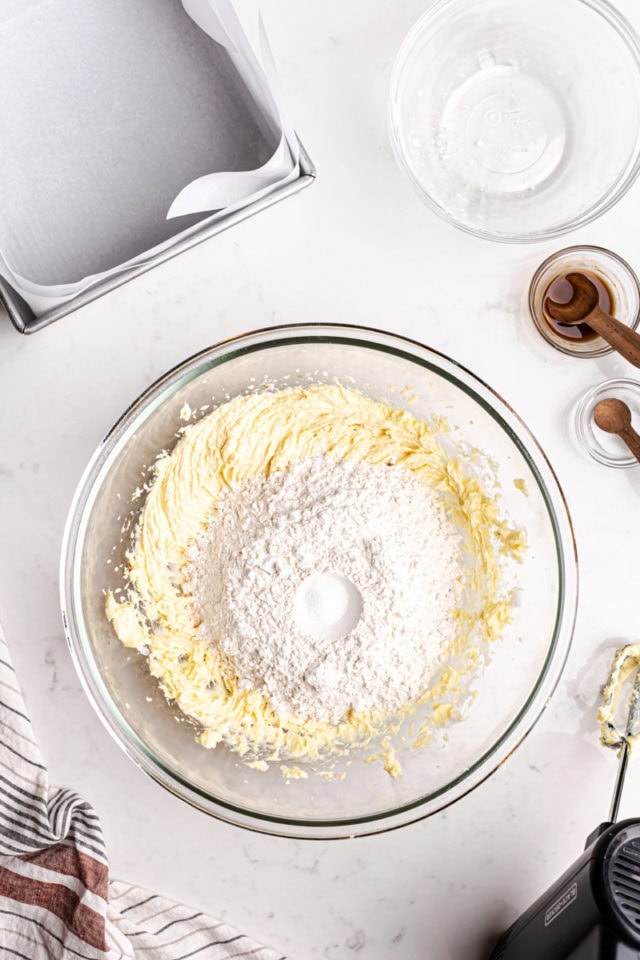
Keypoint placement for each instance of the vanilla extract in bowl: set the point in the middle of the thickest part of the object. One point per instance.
(618, 292)
(561, 291)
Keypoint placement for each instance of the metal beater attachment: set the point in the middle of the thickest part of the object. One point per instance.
(625, 662)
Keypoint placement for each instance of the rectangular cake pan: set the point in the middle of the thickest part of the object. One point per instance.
(108, 110)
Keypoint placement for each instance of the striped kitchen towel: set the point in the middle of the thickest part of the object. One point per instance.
(56, 900)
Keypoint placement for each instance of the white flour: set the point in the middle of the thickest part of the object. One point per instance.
(377, 527)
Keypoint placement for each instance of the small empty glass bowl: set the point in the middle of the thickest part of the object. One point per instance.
(518, 121)
(619, 280)
(605, 447)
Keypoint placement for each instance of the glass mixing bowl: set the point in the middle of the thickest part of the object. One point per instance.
(519, 676)
(518, 120)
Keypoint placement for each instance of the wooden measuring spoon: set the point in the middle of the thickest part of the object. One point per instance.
(583, 308)
(613, 416)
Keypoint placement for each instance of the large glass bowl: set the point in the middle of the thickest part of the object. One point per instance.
(518, 120)
(512, 690)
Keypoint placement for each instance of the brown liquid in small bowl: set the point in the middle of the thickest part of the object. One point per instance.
(561, 291)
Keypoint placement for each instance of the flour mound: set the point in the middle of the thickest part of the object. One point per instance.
(375, 525)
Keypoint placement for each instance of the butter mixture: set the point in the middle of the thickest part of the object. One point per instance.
(252, 440)
(625, 662)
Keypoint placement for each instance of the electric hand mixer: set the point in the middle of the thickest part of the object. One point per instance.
(593, 911)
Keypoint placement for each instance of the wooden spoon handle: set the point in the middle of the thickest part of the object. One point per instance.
(632, 440)
(622, 338)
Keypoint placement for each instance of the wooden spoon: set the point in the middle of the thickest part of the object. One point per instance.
(613, 416)
(583, 308)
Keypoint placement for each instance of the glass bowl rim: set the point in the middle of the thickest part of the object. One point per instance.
(143, 406)
(631, 38)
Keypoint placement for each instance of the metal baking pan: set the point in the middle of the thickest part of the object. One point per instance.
(108, 110)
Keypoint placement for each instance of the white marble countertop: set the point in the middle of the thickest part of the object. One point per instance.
(357, 247)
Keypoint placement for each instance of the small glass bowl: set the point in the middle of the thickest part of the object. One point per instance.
(502, 119)
(619, 278)
(605, 447)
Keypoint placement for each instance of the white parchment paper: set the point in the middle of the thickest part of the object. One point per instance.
(102, 112)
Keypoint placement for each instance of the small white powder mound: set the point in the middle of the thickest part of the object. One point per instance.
(370, 627)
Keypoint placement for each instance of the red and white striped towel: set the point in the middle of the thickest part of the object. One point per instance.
(56, 900)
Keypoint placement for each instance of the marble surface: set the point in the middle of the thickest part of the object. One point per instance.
(356, 247)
